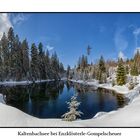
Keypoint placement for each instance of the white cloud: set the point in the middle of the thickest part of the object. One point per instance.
(121, 55)
(119, 39)
(136, 34)
(50, 48)
(18, 18)
(9, 20)
(5, 23)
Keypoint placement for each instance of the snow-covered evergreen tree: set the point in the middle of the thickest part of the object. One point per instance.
(73, 113)
(5, 69)
(34, 62)
(121, 75)
(134, 69)
(68, 72)
(18, 62)
(41, 62)
(131, 84)
(25, 59)
(101, 74)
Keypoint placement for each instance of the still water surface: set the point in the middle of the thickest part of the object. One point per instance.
(48, 100)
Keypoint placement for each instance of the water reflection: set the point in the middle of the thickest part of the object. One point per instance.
(48, 100)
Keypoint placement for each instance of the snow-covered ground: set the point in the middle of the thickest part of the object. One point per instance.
(127, 116)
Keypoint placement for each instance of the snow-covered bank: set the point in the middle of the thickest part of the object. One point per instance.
(131, 94)
(14, 83)
(10, 116)
(127, 116)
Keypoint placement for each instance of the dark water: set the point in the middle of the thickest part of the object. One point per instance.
(48, 100)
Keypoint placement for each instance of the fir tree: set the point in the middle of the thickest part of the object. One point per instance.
(102, 67)
(11, 39)
(101, 74)
(55, 66)
(16, 63)
(79, 63)
(127, 69)
(134, 69)
(25, 59)
(73, 112)
(131, 84)
(137, 60)
(121, 75)
(34, 62)
(1, 66)
(61, 68)
(16, 60)
(41, 62)
(47, 65)
(68, 71)
(5, 56)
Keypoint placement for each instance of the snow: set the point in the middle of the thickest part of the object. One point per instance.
(14, 83)
(127, 116)
(2, 99)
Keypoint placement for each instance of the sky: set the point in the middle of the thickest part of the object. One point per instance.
(112, 35)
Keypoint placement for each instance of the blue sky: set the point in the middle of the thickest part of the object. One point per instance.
(109, 34)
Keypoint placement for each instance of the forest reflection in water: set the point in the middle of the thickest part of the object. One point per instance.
(48, 100)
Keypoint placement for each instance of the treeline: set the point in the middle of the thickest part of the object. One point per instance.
(85, 71)
(19, 61)
(118, 72)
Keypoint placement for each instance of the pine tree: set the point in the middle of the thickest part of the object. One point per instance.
(25, 59)
(73, 112)
(84, 62)
(137, 60)
(68, 72)
(79, 63)
(134, 69)
(102, 64)
(61, 68)
(1, 66)
(121, 75)
(16, 60)
(131, 84)
(34, 62)
(5, 54)
(41, 62)
(17, 64)
(127, 69)
(48, 70)
(11, 39)
(101, 74)
(55, 66)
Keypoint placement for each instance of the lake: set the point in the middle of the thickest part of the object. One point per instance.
(48, 100)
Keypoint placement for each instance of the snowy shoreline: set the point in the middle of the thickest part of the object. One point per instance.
(102, 119)
(131, 94)
(14, 83)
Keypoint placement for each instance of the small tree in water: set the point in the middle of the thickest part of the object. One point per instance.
(73, 112)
